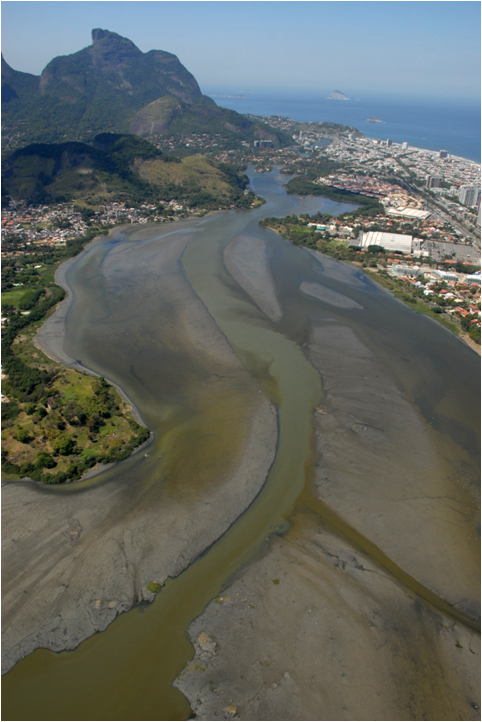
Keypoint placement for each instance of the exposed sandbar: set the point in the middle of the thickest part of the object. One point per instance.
(327, 295)
(246, 259)
(383, 470)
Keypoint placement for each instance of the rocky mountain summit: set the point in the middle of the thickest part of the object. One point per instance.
(112, 86)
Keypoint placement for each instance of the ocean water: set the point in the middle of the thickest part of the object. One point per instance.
(435, 124)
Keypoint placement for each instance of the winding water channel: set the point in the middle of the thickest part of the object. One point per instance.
(127, 321)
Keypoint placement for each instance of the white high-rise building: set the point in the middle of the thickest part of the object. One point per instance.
(469, 195)
(404, 145)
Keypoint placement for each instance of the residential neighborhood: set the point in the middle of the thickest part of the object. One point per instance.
(26, 229)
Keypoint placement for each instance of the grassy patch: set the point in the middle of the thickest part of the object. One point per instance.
(153, 587)
(47, 273)
(12, 298)
(421, 307)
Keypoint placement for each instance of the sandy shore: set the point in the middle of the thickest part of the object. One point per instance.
(383, 470)
(327, 295)
(474, 346)
(73, 559)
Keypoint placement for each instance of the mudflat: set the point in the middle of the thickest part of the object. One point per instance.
(75, 557)
(360, 598)
(368, 608)
(361, 611)
(317, 630)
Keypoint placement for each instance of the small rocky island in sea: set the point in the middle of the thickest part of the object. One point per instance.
(374, 120)
(337, 95)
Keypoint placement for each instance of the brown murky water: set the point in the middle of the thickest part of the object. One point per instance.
(119, 327)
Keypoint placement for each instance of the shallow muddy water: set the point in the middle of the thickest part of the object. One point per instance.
(127, 323)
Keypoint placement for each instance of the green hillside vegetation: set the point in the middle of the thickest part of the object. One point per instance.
(118, 168)
(112, 86)
(16, 85)
(169, 115)
(98, 88)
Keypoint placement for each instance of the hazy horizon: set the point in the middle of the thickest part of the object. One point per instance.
(354, 94)
(398, 48)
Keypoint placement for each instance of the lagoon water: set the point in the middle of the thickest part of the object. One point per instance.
(126, 672)
(451, 124)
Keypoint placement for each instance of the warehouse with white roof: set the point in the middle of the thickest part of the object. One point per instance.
(407, 212)
(388, 241)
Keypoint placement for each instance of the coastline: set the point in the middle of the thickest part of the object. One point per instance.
(456, 157)
(56, 601)
(463, 337)
(48, 338)
(309, 109)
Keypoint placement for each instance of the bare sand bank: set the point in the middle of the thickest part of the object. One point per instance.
(382, 468)
(73, 559)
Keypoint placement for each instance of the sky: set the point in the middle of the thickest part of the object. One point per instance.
(419, 48)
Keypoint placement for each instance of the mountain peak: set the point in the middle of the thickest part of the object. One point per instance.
(105, 41)
(110, 85)
(99, 34)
